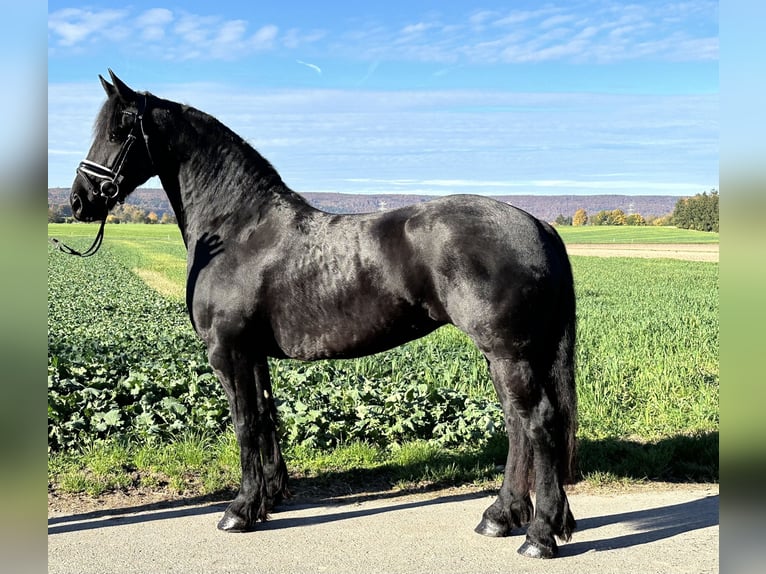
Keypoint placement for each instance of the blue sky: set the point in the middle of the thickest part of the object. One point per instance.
(415, 97)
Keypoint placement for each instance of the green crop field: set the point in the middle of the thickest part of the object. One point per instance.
(634, 234)
(128, 379)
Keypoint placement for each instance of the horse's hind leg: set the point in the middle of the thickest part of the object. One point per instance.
(513, 507)
(253, 413)
(537, 433)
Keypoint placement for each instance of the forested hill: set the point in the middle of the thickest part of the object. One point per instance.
(546, 207)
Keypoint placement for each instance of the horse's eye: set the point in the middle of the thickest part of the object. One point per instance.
(113, 137)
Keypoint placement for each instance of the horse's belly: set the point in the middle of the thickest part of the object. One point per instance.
(339, 335)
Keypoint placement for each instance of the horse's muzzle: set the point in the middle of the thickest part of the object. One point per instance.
(76, 203)
(83, 209)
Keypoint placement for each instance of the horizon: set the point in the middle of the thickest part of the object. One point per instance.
(159, 189)
(544, 206)
(598, 98)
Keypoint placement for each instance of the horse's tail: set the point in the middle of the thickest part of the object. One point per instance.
(563, 372)
(563, 378)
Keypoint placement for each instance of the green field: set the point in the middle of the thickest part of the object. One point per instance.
(634, 234)
(129, 386)
(157, 253)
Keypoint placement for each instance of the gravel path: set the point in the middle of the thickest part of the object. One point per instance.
(657, 528)
(686, 251)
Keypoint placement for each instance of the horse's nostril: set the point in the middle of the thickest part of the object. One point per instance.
(76, 204)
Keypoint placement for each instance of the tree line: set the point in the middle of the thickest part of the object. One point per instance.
(699, 212)
(124, 213)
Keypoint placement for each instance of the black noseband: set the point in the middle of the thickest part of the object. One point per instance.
(111, 177)
(109, 187)
(108, 179)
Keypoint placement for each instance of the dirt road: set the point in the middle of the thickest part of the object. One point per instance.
(686, 251)
(657, 528)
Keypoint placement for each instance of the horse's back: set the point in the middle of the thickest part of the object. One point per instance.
(494, 268)
(481, 237)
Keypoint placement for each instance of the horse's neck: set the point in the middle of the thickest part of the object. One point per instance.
(220, 178)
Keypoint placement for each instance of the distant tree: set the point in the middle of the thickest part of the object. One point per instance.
(600, 218)
(616, 217)
(58, 213)
(561, 220)
(133, 214)
(580, 217)
(613, 217)
(699, 212)
(112, 218)
(54, 214)
(152, 218)
(662, 221)
(167, 217)
(635, 219)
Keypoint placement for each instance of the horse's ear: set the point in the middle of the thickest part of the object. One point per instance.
(108, 88)
(126, 94)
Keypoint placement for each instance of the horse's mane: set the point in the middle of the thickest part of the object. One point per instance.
(225, 162)
(232, 147)
(235, 170)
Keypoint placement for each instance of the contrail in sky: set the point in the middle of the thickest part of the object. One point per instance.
(314, 67)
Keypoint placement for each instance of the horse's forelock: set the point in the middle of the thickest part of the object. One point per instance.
(103, 124)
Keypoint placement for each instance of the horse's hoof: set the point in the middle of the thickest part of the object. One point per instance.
(532, 550)
(492, 528)
(233, 523)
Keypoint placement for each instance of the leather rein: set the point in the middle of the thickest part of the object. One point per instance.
(108, 179)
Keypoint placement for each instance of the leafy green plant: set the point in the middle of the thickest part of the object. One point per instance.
(125, 365)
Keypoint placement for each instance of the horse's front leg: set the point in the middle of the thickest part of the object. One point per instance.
(253, 414)
(274, 468)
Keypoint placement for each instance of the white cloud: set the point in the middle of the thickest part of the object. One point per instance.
(182, 36)
(596, 31)
(440, 142)
(211, 38)
(558, 20)
(523, 16)
(417, 28)
(73, 26)
(152, 23)
(231, 32)
(193, 29)
(264, 38)
(295, 37)
(479, 18)
(605, 32)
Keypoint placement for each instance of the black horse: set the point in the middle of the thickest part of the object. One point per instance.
(270, 276)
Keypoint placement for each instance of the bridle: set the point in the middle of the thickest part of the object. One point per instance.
(109, 186)
(108, 179)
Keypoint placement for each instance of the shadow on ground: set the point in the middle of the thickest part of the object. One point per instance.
(677, 459)
(644, 526)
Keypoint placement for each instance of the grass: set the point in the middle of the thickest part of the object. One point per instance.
(647, 381)
(633, 234)
(647, 354)
(192, 465)
(156, 253)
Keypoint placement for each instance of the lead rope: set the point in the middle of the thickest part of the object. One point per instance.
(61, 246)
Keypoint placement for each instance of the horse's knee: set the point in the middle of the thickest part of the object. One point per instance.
(515, 377)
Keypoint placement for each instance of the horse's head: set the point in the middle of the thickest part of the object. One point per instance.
(119, 160)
